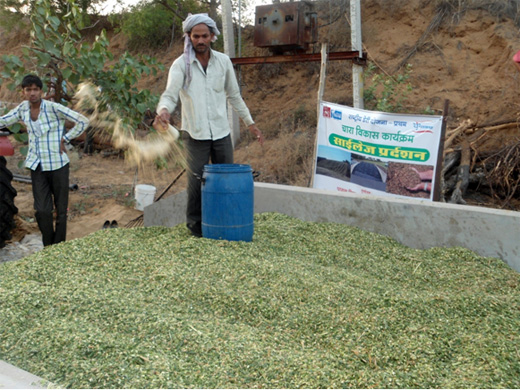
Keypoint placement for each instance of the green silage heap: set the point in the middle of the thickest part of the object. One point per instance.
(305, 305)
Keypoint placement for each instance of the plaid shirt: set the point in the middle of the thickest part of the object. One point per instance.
(45, 139)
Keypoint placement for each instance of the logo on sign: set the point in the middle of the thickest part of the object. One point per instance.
(336, 115)
(326, 112)
(423, 127)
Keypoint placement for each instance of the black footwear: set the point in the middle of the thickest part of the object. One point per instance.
(194, 229)
(106, 225)
(114, 224)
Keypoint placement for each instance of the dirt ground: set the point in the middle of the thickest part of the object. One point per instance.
(105, 192)
(465, 59)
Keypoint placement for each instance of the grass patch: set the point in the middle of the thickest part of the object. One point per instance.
(305, 305)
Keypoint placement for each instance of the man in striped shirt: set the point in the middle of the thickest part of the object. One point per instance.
(46, 157)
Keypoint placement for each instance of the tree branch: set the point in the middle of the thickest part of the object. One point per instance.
(165, 4)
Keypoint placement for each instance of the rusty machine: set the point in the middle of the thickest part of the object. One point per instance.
(287, 30)
(283, 27)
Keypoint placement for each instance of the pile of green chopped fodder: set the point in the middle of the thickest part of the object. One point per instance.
(303, 305)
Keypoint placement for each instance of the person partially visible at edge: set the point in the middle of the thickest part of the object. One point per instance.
(516, 59)
(205, 81)
(46, 157)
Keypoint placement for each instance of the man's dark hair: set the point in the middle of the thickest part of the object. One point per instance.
(32, 79)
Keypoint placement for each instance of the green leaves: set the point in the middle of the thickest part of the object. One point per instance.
(21, 137)
(16, 129)
(12, 61)
(141, 107)
(58, 48)
(44, 57)
(384, 92)
(67, 72)
(55, 22)
(68, 48)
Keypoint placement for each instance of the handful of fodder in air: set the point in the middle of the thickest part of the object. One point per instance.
(159, 144)
(163, 128)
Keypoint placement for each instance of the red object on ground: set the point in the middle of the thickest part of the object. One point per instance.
(516, 57)
(6, 149)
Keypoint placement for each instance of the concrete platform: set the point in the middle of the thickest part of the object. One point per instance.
(415, 223)
(12, 377)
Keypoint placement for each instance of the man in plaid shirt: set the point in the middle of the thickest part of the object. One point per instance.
(46, 157)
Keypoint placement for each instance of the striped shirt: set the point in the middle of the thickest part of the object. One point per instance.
(46, 132)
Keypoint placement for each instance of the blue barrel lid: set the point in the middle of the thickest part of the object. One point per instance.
(227, 168)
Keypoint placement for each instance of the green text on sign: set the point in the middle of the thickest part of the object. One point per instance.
(393, 152)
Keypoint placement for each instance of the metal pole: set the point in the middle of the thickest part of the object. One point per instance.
(440, 155)
(227, 27)
(357, 45)
(321, 90)
(239, 71)
(323, 75)
(229, 49)
(239, 28)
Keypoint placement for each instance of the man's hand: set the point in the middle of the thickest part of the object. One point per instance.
(63, 146)
(161, 121)
(257, 133)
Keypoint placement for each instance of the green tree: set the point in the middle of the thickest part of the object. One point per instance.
(156, 23)
(147, 26)
(25, 7)
(57, 48)
(152, 24)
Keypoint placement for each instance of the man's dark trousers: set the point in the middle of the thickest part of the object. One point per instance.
(46, 186)
(199, 154)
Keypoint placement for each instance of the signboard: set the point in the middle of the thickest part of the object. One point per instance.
(378, 153)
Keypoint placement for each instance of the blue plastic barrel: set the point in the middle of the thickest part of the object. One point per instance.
(227, 202)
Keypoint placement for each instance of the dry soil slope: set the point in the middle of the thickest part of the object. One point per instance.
(467, 62)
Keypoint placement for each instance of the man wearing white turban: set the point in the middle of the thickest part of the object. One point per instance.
(205, 81)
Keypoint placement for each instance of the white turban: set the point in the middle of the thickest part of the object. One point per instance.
(190, 22)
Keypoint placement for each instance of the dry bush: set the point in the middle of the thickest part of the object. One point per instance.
(266, 72)
(311, 68)
(290, 157)
(509, 9)
(333, 25)
(502, 170)
(303, 116)
(451, 12)
(300, 116)
(272, 125)
(503, 9)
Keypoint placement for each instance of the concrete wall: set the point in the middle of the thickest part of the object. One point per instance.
(414, 223)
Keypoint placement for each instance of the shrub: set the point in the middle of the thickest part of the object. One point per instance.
(148, 26)
(384, 92)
